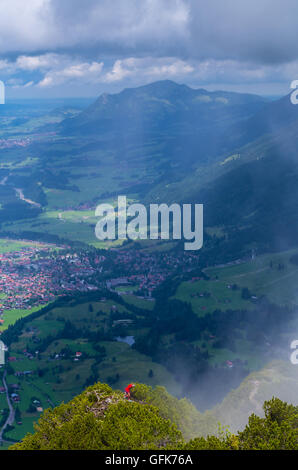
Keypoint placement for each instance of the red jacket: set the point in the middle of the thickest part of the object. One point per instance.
(128, 388)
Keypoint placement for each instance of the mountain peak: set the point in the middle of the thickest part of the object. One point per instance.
(159, 88)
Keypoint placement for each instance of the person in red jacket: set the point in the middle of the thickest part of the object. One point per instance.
(128, 390)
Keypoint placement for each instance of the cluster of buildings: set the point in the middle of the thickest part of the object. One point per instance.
(13, 390)
(35, 275)
(147, 270)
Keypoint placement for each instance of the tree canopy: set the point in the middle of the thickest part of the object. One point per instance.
(102, 419)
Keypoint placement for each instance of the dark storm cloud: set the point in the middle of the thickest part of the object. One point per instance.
(153, 27)
(129, 42)
(256, 30)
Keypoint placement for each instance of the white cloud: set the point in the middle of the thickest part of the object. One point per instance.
(44, 61)
(52, 69)
(149, 68)
(120, 70)
(19, 83)
(85, 72)
(176, 68)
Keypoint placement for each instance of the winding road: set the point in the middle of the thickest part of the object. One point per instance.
(20, 194)
(10, 419)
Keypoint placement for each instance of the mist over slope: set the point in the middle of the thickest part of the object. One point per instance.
(189, 125)
(278, 378)
(235, 153)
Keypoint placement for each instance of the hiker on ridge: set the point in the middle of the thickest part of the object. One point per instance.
(128, 390)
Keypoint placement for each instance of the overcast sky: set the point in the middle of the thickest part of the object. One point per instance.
(52, 48)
